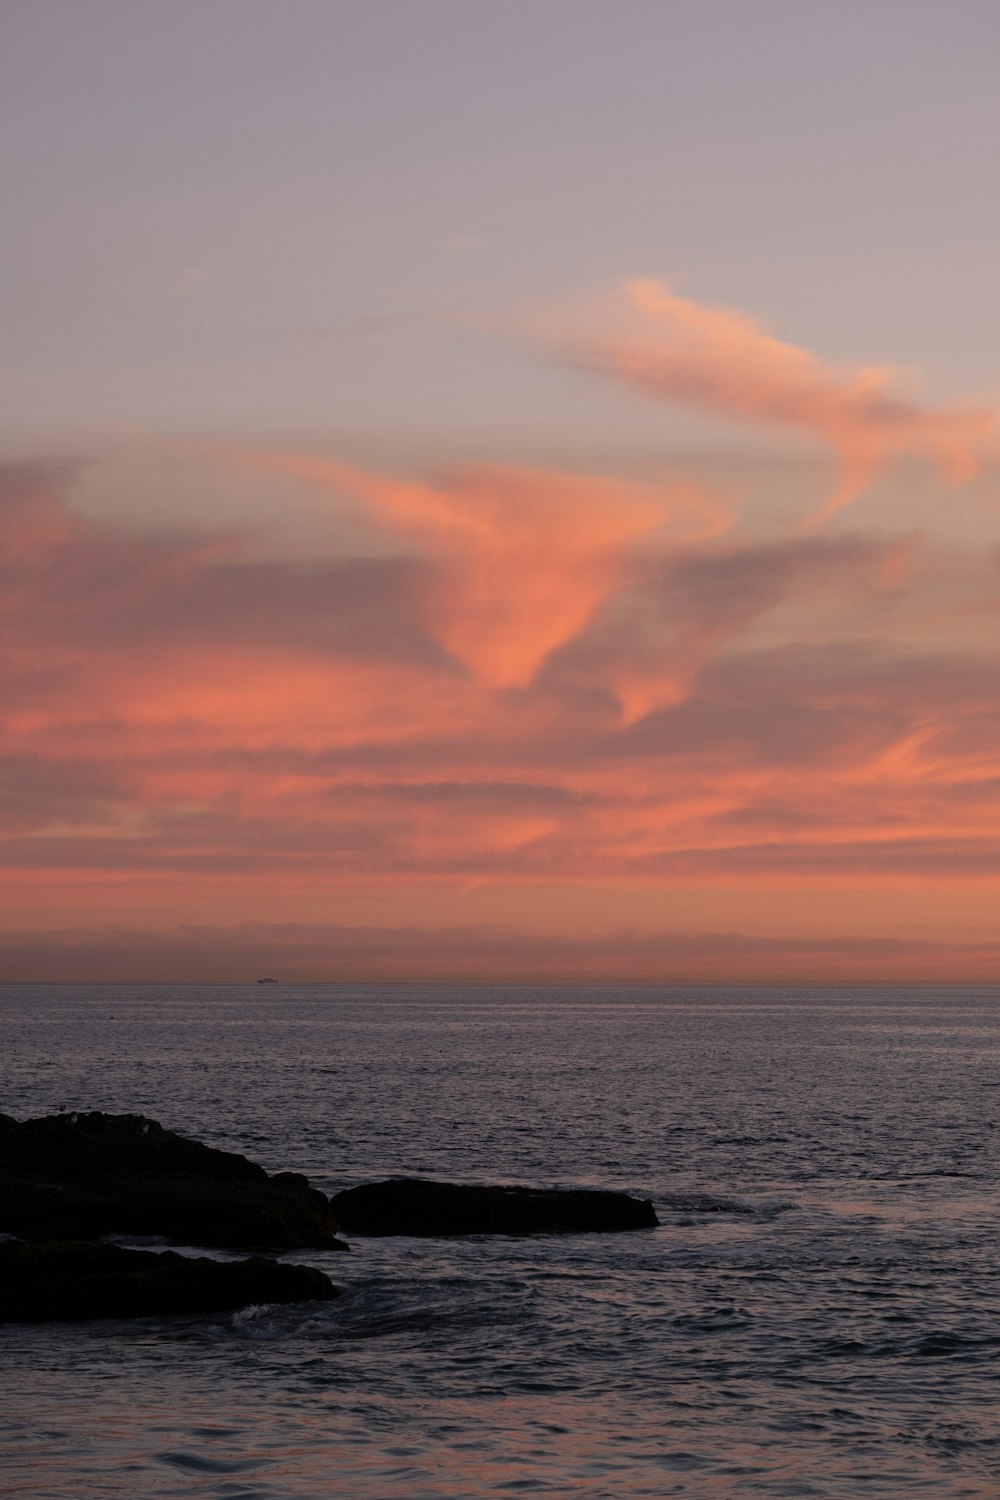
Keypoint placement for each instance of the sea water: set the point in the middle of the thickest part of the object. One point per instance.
(818, 1314)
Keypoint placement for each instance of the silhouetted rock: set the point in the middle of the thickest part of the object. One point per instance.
(63, 1281)
(76, 1176)
(412, 1206)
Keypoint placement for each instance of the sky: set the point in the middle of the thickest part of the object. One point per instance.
(500, 492)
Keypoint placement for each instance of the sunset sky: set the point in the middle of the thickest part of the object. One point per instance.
(500, 491)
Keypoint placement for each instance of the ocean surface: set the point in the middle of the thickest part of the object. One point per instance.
(819, 1314)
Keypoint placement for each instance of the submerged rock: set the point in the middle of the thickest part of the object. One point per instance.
(76, 1176)
(414, 1206)
(68, 1282)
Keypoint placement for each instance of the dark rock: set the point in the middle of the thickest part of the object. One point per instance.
(71, 1145)
(411, 1206)
(67, 1282)
(76, 1176)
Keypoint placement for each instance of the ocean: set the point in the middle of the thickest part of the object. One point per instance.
(818, 1314)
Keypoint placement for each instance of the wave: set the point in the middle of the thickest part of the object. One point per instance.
(724, 1203)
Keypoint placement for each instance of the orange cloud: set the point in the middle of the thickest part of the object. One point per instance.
(682, 611)
(187, 727)
(522, 557)
(725, 363)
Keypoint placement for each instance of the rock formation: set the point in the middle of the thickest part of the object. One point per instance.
(69, 1282)
(415, 1206)
(76, 1176)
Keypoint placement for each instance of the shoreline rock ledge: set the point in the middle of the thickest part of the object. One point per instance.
(80, 1176)
(64, 1281)
(423, 1208)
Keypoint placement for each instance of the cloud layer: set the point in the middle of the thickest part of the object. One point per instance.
(530, 679)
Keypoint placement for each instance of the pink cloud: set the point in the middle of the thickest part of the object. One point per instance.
(182, 720)
(723, 362)
(522, 557)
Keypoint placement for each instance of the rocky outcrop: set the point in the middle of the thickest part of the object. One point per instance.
(68, 1282)
(418, 1207)
(77, 1176)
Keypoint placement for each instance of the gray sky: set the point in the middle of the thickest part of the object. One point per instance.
(332, 217)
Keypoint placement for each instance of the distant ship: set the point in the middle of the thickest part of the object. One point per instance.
(267, 981)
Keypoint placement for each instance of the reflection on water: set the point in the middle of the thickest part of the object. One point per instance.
(818, 1315)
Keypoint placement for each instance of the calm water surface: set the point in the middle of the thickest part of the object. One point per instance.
(819, 1314)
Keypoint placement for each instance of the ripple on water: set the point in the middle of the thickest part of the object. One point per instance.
(816, 1317)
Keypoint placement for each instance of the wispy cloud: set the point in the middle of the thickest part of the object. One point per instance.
(521, 557)
(723, 362)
